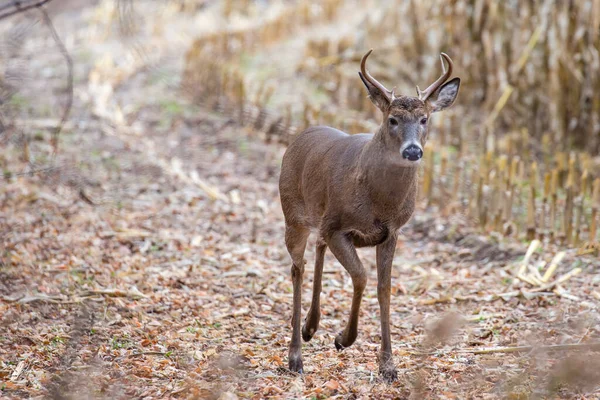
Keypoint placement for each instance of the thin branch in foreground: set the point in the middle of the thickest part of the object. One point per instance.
(69, 61)
(553, 347)
(15, 7)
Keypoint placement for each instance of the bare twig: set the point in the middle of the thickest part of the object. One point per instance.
(132, 293)
(519, 349)
(35, 171)
(36, 297)
(69, 62)
(18, 6)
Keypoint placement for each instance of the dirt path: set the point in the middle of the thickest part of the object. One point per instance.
(175, 281)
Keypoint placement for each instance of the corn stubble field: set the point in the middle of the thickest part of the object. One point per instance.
(145, 259)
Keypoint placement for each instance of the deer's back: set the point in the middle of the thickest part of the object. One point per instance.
(314, 167)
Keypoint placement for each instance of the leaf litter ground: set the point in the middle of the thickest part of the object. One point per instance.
(175, 282)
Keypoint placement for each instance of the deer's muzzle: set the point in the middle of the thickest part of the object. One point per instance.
(412, 153)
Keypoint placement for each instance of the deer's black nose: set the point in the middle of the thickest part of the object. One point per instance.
(412, 153)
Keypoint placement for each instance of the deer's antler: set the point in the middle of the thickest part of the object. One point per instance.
(363, 69)
(423, 95)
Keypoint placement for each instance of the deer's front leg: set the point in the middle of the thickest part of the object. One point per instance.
(295, 240)
(385, 256)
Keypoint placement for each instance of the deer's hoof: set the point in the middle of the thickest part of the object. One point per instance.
(341, 341)
(338, 342)
(307, 334)
(389, 375)
(296, 364)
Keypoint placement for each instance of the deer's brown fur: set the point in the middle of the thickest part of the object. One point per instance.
(355, 191)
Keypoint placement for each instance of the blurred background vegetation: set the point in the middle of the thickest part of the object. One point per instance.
(517, 154)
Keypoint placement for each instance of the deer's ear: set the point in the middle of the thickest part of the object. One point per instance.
(375, 94)
(444, 97)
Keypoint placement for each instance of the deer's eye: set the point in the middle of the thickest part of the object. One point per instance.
(423, 120)
(393, 121)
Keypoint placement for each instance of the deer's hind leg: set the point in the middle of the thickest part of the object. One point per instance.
(343, 249)
(295, 240)
(314, 313)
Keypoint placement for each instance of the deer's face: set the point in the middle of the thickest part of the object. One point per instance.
(405, 128)
(405, 118)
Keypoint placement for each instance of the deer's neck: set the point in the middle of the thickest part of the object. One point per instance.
(389, 183)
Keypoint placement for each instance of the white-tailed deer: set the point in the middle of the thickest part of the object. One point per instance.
(356, 190)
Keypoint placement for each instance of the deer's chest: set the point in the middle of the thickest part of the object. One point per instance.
(396, 209)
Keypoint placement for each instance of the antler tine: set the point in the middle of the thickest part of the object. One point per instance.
(423, 95)
(363, 68)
